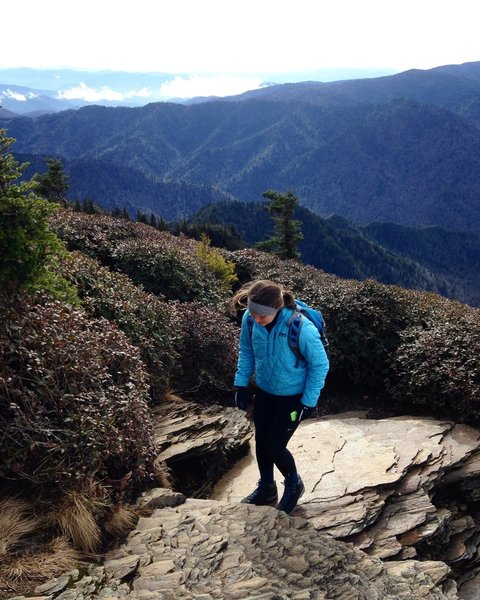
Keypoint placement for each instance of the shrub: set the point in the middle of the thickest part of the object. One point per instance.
(73, 398)
(163, 264)
(223, 269)
(26, 242)
(208, 350)
(169, 271)
(438, 370)
(144, 318)
(365, 321)
(97, 235)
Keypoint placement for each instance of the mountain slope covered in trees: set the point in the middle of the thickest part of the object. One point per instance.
(402, 149)
(426, 259)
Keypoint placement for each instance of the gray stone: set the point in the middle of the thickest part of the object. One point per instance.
(235, 551)
(200, 442)
(371, 482)
(160, 498)
(371, 488)
(119, 568)
(55, 585)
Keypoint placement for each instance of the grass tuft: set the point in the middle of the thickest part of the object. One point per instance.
(53, 559)
(76, 516)
(121, 521)
(15, 523)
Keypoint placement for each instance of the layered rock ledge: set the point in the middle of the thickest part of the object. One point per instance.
(400, 488)
(390, 513)
(209, 550)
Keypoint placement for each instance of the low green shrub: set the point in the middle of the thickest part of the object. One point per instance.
(143, 317)
(165, 265)
(213, 259)
(207, 350)
(29, 249)
(437, 370)
(171, 271)
(73, 398)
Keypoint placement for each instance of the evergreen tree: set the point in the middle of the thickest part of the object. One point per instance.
(27, 245)
(287, 230)
(53, 185)
(162, 224)
(153, 220)
(89, 207)
(142, 217)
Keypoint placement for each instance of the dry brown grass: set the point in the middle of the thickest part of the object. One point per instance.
(163, 475)
(25, 560)
(76, 516)
(78, 513)
(16, 522)
(51, 560)
(172, 397)
(121, 521)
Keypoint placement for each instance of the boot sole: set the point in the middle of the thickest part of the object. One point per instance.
(262, 503)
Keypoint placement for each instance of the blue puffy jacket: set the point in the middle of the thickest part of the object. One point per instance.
(277, 371)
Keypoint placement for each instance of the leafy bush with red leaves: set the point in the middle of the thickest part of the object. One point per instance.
(73, 397)
(97, 235)
(438, 368)
(144, 318)
(207, 350)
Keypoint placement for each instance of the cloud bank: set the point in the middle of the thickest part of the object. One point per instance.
(180, 87)
(14, 95)
(215, 85)
(88, 94)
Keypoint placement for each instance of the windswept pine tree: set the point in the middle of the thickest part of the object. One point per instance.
(287, 230)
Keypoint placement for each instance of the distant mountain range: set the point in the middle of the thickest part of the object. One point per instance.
(402, 150)
(39, 91)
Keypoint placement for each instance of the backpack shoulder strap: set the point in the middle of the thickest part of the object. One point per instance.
(294, 325)
(250, 323)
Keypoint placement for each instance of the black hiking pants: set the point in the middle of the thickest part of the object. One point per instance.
(273, 430)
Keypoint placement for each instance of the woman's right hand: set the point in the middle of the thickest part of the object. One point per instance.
(242, 398)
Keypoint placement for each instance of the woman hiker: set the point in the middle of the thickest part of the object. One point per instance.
(287, 389)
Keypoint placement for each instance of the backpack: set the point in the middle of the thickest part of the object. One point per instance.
(302, 311)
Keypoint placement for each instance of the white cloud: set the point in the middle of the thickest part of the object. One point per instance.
(83, 92)
(217, 85)
(11, 94)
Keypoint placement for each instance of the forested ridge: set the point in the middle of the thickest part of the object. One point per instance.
(429, 258)
(401, 149)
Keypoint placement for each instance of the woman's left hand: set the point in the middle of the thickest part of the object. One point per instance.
(301, 413)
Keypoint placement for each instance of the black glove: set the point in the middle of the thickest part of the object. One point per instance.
(300, 413)
(242, 398)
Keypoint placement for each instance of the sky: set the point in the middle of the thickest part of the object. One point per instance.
(216, 46)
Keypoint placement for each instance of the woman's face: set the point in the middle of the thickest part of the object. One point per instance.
(262, 320)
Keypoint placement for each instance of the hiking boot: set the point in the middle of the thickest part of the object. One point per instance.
(291, 496)
(264, 493)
